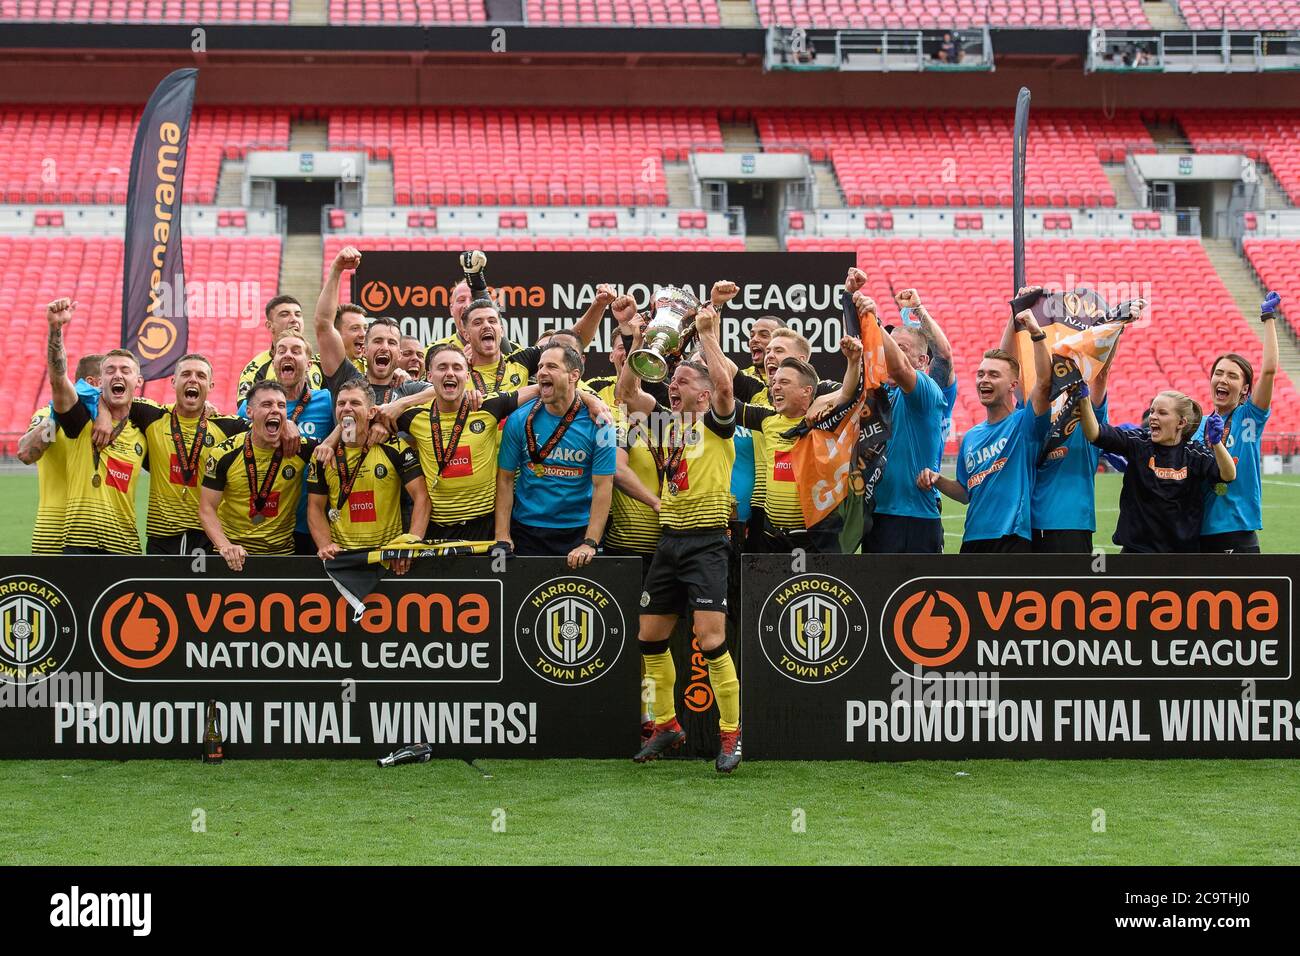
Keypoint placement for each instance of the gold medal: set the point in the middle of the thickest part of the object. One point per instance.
(539, 469)
(1221, 488)
(96, 481)
(185, 492)
(258, 518)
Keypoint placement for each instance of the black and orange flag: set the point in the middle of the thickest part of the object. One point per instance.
(154, 324)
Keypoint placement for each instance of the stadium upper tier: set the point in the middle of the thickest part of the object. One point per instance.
(959, 157)
(1271, 136)
(523, 157)
(229, 280)
(150, 11)
(964, 283)
(1234, 14)
(83, 154)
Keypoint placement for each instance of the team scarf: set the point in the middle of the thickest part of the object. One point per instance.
(831, 451)
(357, 573)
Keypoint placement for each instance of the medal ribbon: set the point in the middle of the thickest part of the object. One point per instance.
(480, 383)
(445, 455)
(535, 455)
(250, 469)
(301, 404)
(346, 480)
(188, 461)
(117, 430)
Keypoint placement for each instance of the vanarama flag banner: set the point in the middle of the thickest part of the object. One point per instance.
(823, 456)
(1081, 333)
(154, 324)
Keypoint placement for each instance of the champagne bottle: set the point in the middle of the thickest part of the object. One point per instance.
(212, 736)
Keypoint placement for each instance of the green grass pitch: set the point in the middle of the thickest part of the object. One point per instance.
(1212, 812)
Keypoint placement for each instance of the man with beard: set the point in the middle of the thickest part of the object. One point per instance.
(311, 410)
(37, 448)
(180, 439)
(410, 357)
(1234, 511)
(355, 497)
(566, 462)
(283, 314)
(252, 489)
(100, 508)
(380, 343)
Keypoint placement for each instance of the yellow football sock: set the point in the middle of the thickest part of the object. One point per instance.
(660, 669)
(726, 690)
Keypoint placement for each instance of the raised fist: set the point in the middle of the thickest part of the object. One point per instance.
(1270, 303)
(723, 291)
(347, 259)
(1213, 429)
(855, 280)
(605, 295)
(624, 309)
(908, 299)
(473, 261)
(706, 319)
(59, 312)
(851, 347)
(864, 304)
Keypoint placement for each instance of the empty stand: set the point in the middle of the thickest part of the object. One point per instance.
(966, 285)
(407, 11)
(149, 11)
(229, 280)
(1080, 14)
(1277, 262)
(1233, 14)
(527, 158)
(1271, 136)
(83, 154)
(959, 157)
(628, 12)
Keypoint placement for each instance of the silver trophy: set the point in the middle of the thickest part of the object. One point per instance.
(666, 334)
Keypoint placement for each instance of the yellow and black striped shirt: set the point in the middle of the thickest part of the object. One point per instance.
(634, 525)
(259, 368)
(773, 464)
(466, 489)
(225, 472)
(100, 515)
(173, 501)
(52, 482)
(698, 493)
(372, 515)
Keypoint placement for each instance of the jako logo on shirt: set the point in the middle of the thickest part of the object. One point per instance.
(119, 474)
(981, 455)
(461, 464)
(568, 454)
(361, 506)
(782, 467)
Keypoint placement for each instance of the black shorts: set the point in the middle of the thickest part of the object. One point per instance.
(535, 542)
(1062, 541)
(482, 528)
(821, 538)
(1007, 544)
(903, 534)
(689, 570)
(186, 543)
(1230, 542)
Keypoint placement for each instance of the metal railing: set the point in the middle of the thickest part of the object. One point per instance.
(1192, 51)
(878, 50)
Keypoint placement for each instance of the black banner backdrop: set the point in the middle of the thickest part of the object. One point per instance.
(154, 323)
(543, 291)
(974, 656)
(118, 658)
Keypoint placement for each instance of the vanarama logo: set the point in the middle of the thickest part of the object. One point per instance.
(570, 631)
(813, 628)
(37, 630)
(250, 630)
(1096, 628)
(379, 297)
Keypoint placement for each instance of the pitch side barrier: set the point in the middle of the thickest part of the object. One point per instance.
(840, 657)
